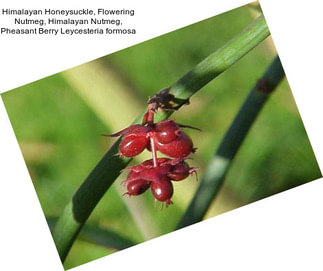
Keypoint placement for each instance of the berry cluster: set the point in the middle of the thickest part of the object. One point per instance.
(157, 174)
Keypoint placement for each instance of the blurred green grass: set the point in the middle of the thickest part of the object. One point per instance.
(51, 117)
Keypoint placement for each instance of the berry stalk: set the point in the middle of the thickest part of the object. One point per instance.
(153, 151)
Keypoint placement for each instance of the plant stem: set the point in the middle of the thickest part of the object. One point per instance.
(107, 170)
(100, 236)
(86, 198)
(220, 60)
(222, 159)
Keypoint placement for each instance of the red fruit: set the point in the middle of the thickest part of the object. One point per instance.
(166, 131)
(146, 171)
(181, 147)
(162, 190)
(179, 171)
(131, 145)
(155, 174)
(150, 163)
(166, 137)
(135, 139)
(137, 187)
(158, 178)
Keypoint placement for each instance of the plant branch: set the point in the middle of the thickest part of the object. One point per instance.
(107, 170)
(222, 159)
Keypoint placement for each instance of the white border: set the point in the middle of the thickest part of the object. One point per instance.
(283, 232)
(26, 59)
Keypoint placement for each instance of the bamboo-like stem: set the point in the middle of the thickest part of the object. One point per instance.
(100, 236)
(107, 170)
(222, 159)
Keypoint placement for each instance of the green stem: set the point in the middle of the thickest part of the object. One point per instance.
(222, 159)
(107, 170)
(221, 60)
(99, 236)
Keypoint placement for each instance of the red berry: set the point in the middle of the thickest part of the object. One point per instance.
(181, 147)
(137, 187)
(166, 131)
(146, 171)
(150, 163)
(157, 173)
(162, 190)
(135, 139)
(179, 171)
(158, 178)
(132, 145)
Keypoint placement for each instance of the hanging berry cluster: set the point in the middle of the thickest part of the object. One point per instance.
(166, 137)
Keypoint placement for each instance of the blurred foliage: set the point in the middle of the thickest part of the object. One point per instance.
(59, 131)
